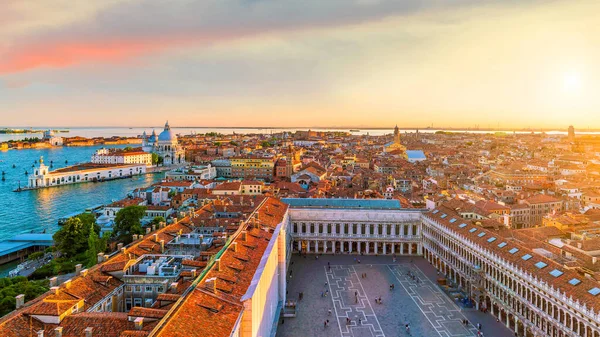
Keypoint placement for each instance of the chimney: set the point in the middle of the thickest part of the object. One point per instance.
(193, 273)
(155, 237)
(84, 272)
(135, 237)
(244, 234)
(173, 286)
(162, 246)
(68, 283)
(123, 250)
(119, 246)
(218, 262)
(234, 245)
(55, 290)
(138, 323)
(153, 228)
(58, 331)
(20, 301)
(78, 268)
(100, 257)
(147, 230)
(53, 281)
(40, 333)
(89, 331)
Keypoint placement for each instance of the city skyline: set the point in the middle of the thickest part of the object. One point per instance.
(366, 63)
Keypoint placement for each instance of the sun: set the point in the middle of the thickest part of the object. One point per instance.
(572, 82)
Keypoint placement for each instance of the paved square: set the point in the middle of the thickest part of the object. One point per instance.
(344, 292)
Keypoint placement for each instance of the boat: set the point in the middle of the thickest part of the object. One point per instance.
(354, 130)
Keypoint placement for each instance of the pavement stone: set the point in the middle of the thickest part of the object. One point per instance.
(343, 289)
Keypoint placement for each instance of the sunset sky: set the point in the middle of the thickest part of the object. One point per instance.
(354, 63)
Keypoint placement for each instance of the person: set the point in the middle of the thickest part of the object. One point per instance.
(407, 328)
(359, 321)
(322, 294)
(478, 326)
(324, 324)
(379, 299)
(329, 312)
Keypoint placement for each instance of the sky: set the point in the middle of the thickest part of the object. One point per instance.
(289, 63)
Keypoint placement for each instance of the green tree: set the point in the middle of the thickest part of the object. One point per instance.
(71, 239)
(157, 220)
(95, 246)
(127, 148)
(89, 221)
(127, 223)
(155, 159)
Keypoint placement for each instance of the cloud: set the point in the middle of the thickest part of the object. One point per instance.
(125, 29)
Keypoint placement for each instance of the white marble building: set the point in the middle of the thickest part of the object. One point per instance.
(165, 145)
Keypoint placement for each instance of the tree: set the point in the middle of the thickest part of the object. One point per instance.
(95, 246)
(157, 220)
(71, 239)
(128, 148)
(127, 223)
(155, 159)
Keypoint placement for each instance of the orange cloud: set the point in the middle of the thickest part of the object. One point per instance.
(71, 53)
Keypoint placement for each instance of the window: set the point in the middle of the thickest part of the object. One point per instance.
(574, 281)
(526, 257)
(137, 302)
(435, 211)
(453, 220)
(462, 225)
(128, 288)
(541, 265)
(482, 234)
(443, 216)
(492, 239)
(472, 230)
(556, 273)
(594, 291)
(148, 289)
(514, 250)
(138, 288)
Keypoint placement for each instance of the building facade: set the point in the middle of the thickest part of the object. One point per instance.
(164, 145)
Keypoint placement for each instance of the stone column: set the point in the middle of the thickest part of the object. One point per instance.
(393, 248)
(367, 248)
(350, 247)
(516, 324)
(384, 248)
(317, 247)
(299, 246)
(402, 248)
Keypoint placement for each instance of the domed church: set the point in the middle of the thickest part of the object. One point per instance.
(165, 145)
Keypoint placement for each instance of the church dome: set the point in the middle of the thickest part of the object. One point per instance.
(152, 138)
(167, 135)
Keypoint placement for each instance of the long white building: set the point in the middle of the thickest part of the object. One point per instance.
(42, 177)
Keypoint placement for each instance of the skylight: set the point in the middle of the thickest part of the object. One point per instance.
(556, 273)
(541, 265)
(473, 230)
(502, 245)
(452, 220)
(514, 250)
(574, 281)
(492, 239)
(526, 257)
(435, 211)
(462, 225)
(594, 291)
(443, 216)
(481, 234)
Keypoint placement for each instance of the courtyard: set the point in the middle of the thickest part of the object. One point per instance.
(343, 290)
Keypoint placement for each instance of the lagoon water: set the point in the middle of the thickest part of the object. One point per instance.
(39, 210)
